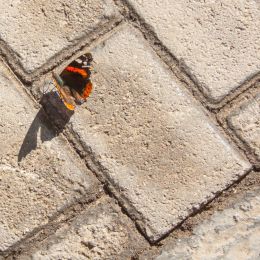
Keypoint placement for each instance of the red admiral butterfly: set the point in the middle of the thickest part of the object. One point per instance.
(74, 84)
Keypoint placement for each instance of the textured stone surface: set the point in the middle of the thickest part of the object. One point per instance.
(99, 232)
(246, 123)
(154, 140)
(231, 234)
(36, 30)
(217, 40)
(48, 176)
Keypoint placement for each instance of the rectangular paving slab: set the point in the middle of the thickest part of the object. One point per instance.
(218, 41)
(36, 30)
(99, 232)
(153, 141)
(39, 174)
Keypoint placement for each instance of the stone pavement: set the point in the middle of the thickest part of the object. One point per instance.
(231, 234)
(172, 122)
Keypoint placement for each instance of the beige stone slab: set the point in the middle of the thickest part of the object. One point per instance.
(217, 40)
(49, 176)
(151, 137)
(36, 30)
(230, 234)
(99, 232)
(245, 121)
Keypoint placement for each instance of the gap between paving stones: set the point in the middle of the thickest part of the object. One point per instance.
(178, 67)
(231, 107)
(235, 120)
(10, 57)
(248, 85)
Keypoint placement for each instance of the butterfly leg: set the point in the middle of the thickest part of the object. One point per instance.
(78, 99)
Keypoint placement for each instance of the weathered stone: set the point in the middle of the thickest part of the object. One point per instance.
(246, 124)
(218, 41)
(39, 175)
(153, 140)
(99, 232)
(231, 234)
(37, 30)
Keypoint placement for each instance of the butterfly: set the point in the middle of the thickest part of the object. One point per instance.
(73, 84)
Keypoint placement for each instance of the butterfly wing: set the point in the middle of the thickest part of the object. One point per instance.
(64, 93)
(78, 81)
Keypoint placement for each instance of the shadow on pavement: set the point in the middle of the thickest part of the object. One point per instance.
(49, 122)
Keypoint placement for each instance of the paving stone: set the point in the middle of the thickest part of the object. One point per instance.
(37, 30)
(218, 41)
(48, 177)
(99, 232)
(231, 234)
(153, 140)
(246, 123)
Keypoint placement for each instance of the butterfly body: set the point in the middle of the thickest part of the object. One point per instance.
(73, 84)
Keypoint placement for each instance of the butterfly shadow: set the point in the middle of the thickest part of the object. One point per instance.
(48, 123)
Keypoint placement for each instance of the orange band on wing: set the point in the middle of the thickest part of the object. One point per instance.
(82, 72)
(87, 90)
